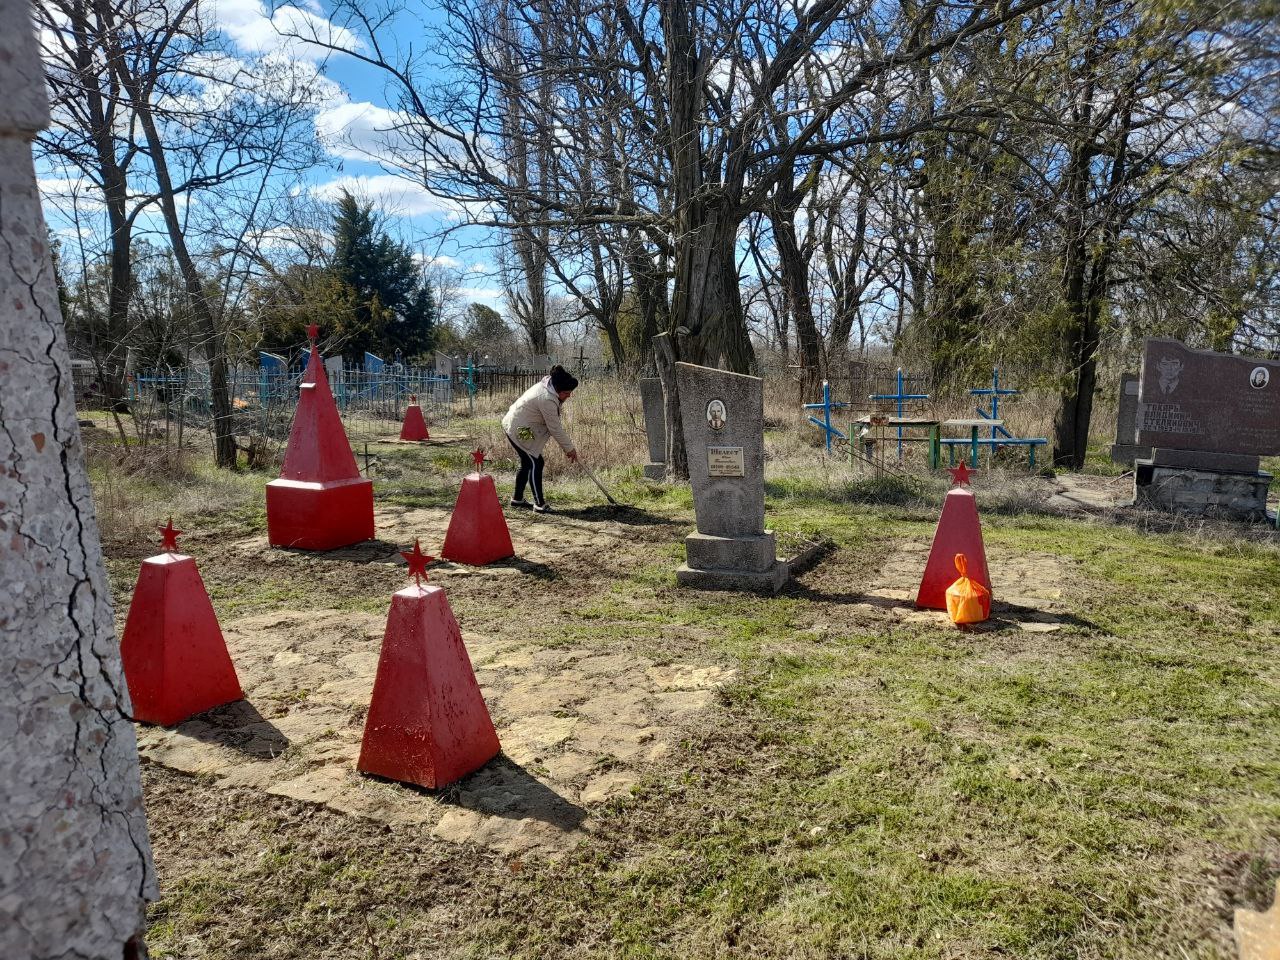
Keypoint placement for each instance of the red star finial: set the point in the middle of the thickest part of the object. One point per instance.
(960, 475)
(417, 561)
(313, 332)
(478, 456)
(413, 398)
(169, 537)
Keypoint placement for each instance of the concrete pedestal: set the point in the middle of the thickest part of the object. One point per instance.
(1202, 493)
(319, 516)
(1127, 453)
(732, 563)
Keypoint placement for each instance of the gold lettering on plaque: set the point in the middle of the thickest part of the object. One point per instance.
(725, 462)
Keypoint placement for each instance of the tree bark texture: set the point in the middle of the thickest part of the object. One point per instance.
(794, 265)
(705, 299)
(75, 859)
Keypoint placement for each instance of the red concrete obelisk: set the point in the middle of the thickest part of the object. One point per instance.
(320, 501)
(427, 722)
(477, 531)
(175, 660)
(414, 426)
(959, 531)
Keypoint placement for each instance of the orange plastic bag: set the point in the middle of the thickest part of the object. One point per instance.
(968, 601)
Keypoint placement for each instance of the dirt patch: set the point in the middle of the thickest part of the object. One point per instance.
(576, 549)
(1076, 493)
(1027, 589)
(578, 727)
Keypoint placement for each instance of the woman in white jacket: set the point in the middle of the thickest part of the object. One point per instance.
(532, 420)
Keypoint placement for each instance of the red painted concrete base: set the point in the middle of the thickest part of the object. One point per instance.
(427, 722)
(959, 531)
(175, 660)
(319, 516)
(477, 531)
(414, 426)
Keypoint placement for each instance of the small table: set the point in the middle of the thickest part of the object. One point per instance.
(973, 427)
(907, 423)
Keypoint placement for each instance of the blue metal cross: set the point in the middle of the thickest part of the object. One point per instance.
(826, 406)
(901, 397)
(995, 392)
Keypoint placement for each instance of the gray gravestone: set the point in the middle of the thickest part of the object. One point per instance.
(442, 388)
(655, 427)
(1126, 449)
(333, 370)
(1208, 418)
(723, 418)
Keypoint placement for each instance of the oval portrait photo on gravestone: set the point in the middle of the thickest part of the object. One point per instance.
(1259, 378)
(716, 417)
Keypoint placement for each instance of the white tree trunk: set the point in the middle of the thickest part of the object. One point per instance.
(75, 860)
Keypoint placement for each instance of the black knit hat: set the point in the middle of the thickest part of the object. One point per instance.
(562, 379)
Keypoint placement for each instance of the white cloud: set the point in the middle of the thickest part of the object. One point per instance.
(479, 268)
(361, 131)
(68, 193)
(478, 293)
(442, 260)
(390, 193)
(293, 29)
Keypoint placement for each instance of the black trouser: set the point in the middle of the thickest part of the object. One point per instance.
(530, 472)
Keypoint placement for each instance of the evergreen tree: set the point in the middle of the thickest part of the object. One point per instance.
(394, 306)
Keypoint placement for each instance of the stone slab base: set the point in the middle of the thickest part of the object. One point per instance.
(753, 554)
(655, 471)
(1202, 493)
(319, 516)
(745, 581)
(1201, 460)
(1127, 453)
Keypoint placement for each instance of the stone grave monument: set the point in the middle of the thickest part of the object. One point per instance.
(655, 427)
(1208, 417)
(723, 418)
(1126, 448)
(335, 371)
(442, 387)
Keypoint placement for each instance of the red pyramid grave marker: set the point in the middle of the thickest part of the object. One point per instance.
(427, 722)
(175, 659)
(320, 501)
(414, 426)
(477, 532)
(959, 531)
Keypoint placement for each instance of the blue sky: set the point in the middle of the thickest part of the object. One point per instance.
(352, 108)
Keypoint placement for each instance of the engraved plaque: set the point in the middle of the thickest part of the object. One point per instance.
(724, 462)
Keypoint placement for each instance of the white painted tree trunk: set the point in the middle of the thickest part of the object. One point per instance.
(75, 860)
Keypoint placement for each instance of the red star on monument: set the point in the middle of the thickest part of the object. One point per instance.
(477, 455)
(313, 332)
(169, 537)
(417, 562)
(413, 398)
(960, 475)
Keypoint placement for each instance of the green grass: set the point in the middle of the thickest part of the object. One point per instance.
(914, 793)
